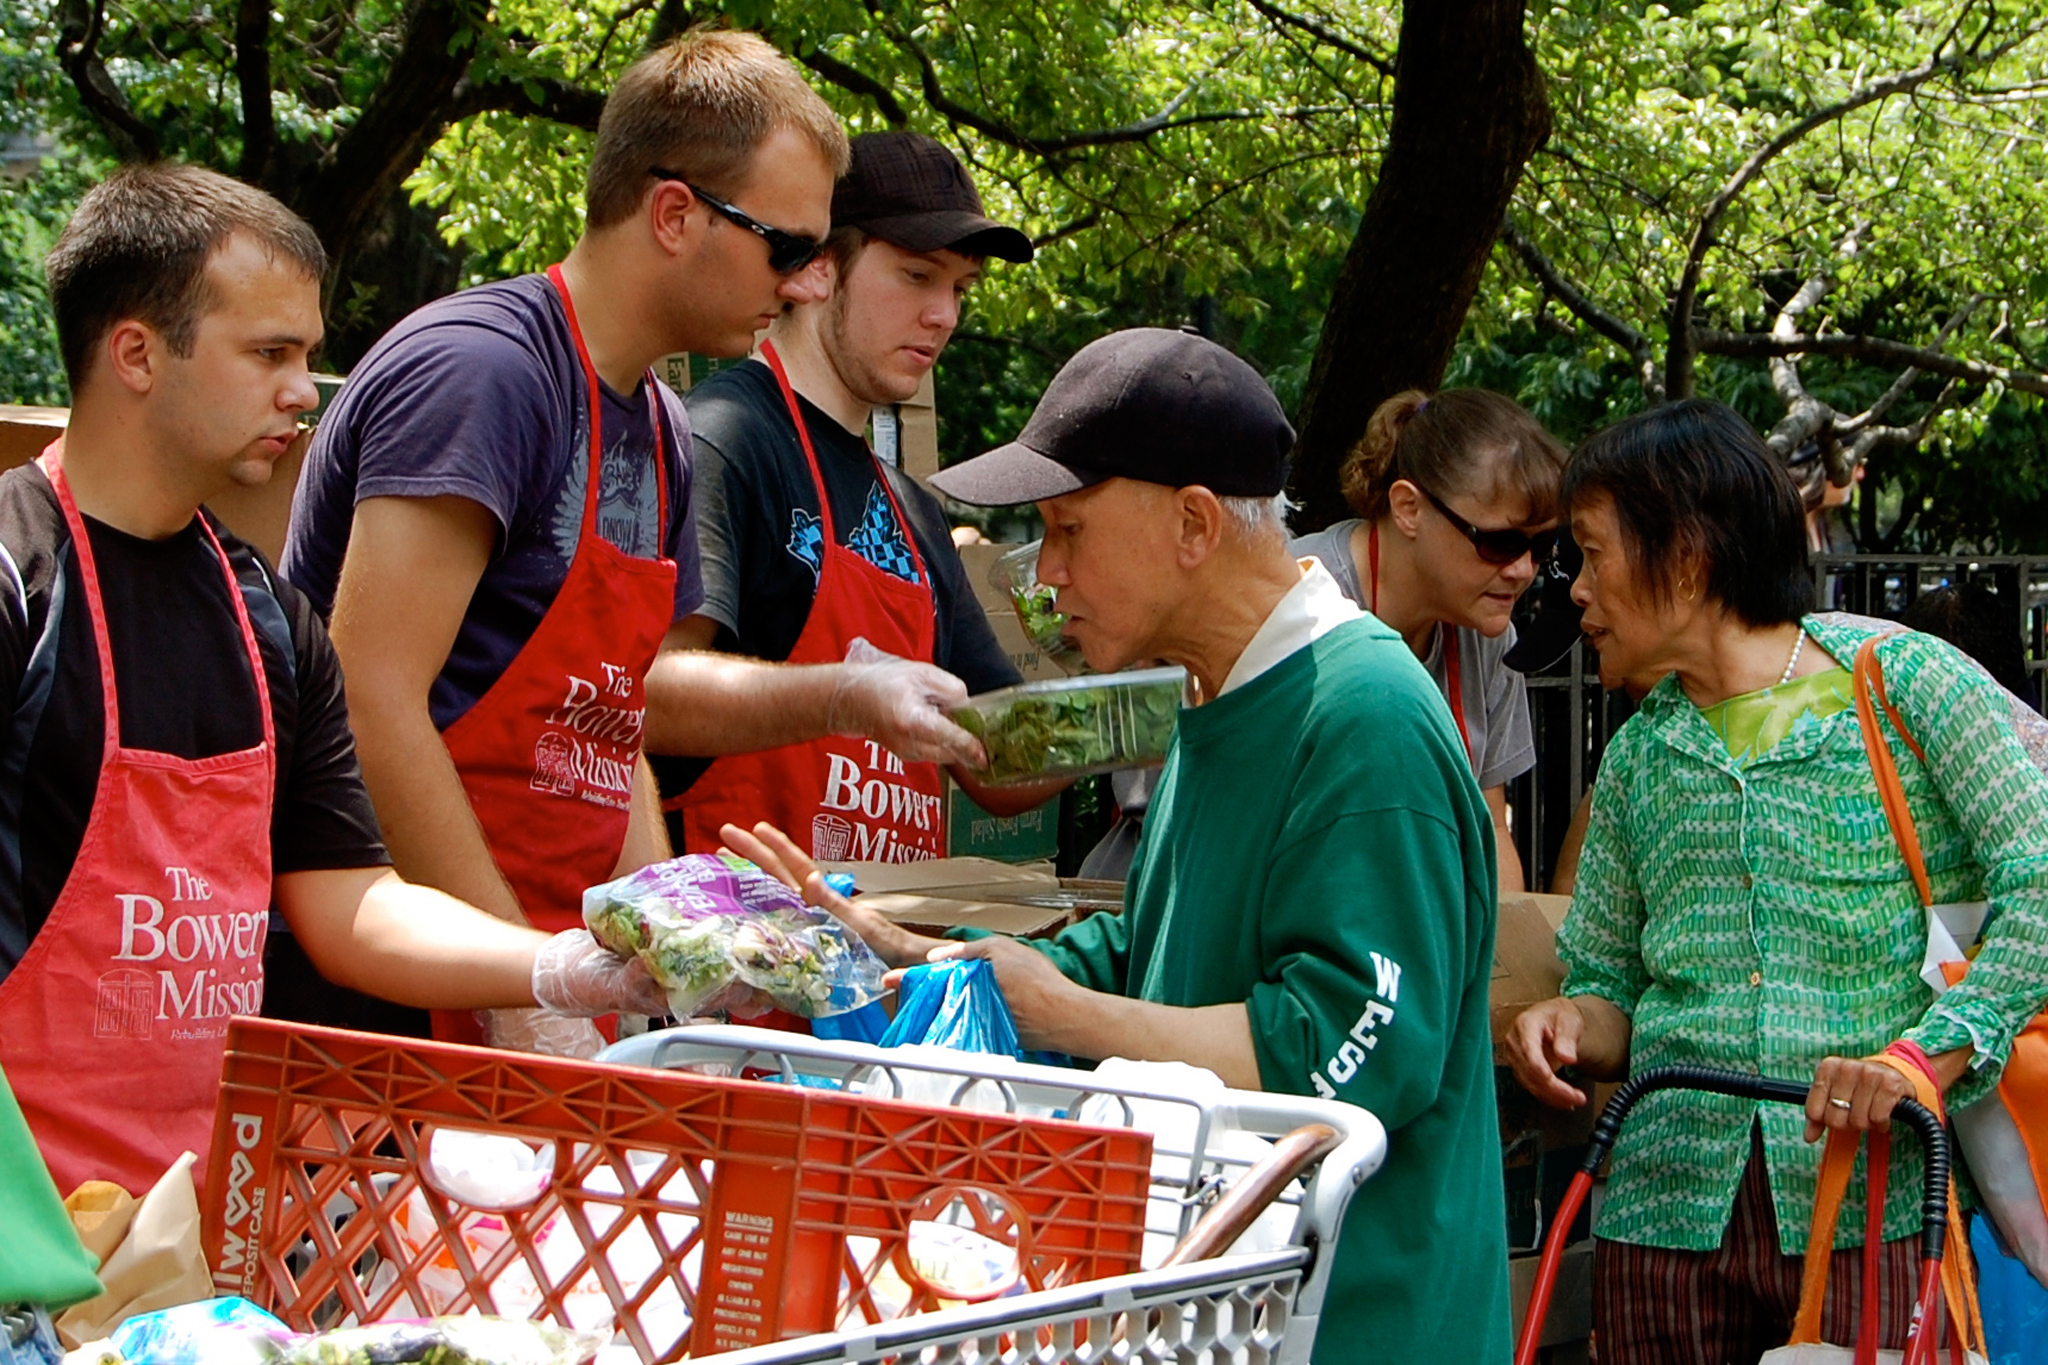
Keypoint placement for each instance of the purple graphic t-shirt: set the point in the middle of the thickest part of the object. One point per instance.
(481, 395)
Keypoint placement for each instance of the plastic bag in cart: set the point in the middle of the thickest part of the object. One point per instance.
(718, 933)
(229, 1331)
(447, 1341)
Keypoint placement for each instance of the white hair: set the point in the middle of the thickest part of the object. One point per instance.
(1259, 518)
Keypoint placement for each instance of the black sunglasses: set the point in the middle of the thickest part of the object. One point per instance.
(1503, 546)
(787, 252)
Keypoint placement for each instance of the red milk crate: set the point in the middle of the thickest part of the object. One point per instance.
(690, 1214)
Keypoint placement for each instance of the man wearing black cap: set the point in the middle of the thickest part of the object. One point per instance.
(811, 544)
(1311, 905)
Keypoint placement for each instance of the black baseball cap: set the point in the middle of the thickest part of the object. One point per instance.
(909, 189)
(1150, 404)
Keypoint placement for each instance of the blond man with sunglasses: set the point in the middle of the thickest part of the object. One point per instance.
(1456, 495)
(496, 511)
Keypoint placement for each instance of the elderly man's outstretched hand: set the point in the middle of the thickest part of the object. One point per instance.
(778, 855)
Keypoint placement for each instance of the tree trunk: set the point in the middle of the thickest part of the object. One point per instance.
(1469, 111)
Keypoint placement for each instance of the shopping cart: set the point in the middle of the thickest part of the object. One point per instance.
(1200, 1299)
(1933, 1207)
(714, 1214)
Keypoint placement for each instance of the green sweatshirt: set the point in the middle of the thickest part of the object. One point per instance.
(41, 1260)
(1318, 850)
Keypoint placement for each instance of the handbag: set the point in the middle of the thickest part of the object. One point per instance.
(2004, 1136)
(1958, 1285)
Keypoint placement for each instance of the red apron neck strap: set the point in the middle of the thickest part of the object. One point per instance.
(51, 462)
(1452, 676)
(593, 482)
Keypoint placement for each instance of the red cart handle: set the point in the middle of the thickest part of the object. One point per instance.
(1933, 1202)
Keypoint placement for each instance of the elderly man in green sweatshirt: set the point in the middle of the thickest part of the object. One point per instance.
(1311, 906)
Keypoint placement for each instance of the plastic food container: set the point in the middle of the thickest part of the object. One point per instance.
(1016, 574)
(1069, 727)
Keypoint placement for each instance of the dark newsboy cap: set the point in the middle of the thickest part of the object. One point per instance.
(1150, 404)
(908, 189)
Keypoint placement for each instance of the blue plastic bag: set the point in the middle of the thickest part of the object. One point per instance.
(957, 1004)
(228, 1331)
(2015, 1305)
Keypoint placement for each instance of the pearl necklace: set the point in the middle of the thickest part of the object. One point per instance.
(1797, 644)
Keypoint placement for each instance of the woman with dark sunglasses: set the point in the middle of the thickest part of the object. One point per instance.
(1456, 495)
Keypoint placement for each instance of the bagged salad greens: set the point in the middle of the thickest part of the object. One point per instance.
(719, 934)
(1036, 605)
(446, 1341)
(1069, 727)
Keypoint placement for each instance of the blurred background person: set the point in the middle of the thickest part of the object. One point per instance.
(1456, 496)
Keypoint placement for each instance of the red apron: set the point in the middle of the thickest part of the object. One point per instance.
(547, 755)
(855, 798)
(113, 1023)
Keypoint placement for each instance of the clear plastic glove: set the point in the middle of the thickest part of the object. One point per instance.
(902, 705)
(542, 1031)
(574, 974)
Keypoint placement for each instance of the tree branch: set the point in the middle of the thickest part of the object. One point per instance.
(1878, 350)
(1585, 310)
(1678, 363)
(79, 27)
(1850, 426)
(1051, 145)
(252, 75)
(856, 82)
(1322, 33)
(533, 97)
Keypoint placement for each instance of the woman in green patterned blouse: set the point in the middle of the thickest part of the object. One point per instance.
(1741, 903)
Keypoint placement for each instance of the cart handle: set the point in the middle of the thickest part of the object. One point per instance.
(1933, 1137)
(1250, 1193)
(1933, 1199)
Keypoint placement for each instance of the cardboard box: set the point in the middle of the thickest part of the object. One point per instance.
(25, 431)
(1027, 837)
(1002, 615)
(946, 893)
(1526, 969)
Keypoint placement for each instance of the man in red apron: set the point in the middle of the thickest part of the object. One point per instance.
(177, 765)
(812, 544)
(495, 510)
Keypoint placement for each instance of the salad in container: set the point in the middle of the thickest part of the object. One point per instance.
(1070, 727)
(1016, 575)
(722, 936)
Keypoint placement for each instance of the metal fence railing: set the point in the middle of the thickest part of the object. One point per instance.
(1573, 718)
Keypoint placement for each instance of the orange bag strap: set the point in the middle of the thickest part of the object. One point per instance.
(1958, 1273)
(1868, 681)
(1836, 1165)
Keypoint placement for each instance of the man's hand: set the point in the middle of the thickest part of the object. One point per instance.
(1052, 1014)
(777, 854)
(574, 974)
(902, 705)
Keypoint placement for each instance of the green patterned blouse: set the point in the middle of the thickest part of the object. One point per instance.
(1756, 916)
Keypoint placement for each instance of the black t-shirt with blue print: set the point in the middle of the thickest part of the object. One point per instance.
(760, 536)
(185, 689)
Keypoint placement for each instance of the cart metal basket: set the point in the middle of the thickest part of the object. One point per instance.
(1240, 1306)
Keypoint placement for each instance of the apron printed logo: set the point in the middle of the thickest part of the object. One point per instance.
(554, 765)
(593, 745)
(124, 1006)
(887, 810)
